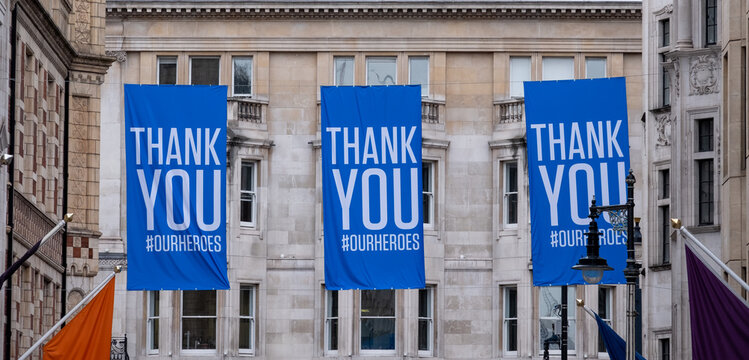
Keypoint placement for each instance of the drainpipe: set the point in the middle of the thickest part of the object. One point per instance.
(65, 129)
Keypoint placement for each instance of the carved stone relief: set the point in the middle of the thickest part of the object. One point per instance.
(703, 75)
(83, 22)
(120, 55)
(663, 125)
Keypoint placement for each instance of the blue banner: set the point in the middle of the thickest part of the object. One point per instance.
(372, 199)
(578, 147)
(175, 138)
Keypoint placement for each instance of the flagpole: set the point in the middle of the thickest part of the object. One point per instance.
(676, 224)
(70, 313)
(12, 269)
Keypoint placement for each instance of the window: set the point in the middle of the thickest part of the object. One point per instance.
(167, 70)
(705, 191)
(558, 68)
(381, 70)
(520, 70)
(331, 320)
(247, 318)
(510, 322)
(550, 315)
(418, 73)
(665, 348)
(344, 71)
(242, 76)
(199, 320)
(705, 135)
(604, 312)
(665, 26)
(595, 68)
(665, 83)
(665, 184)
(511, 193)
(204, 70)
(247, 194)
(665, 234)
(426, 320)
(711, 22)
(377, 321)
(427, 188)
(152, 326)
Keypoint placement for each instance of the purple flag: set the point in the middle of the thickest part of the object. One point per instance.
(720, 320)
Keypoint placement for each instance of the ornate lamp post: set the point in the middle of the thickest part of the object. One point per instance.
(593, 266)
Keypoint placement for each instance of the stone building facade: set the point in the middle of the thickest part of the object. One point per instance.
(53, 122)
(471, 58)
(694, 58)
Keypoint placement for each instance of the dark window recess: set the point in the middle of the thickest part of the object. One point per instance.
(705, 191)
(204, 71)
(665, 32)
(665, 235)
(711, 22)
(705, 135)
(665, 176)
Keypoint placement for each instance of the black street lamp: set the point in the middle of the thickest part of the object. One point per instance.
(593, 266)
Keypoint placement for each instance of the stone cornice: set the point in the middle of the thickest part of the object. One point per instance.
(35, 19)
(194, 43)
(613, 10)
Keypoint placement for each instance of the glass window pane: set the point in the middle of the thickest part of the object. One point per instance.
(242, 77)
(204, 71)
(199, 303)
(665, 32)
(512, 177)
(558, 68)
(245, 334)
(512, 335)
(520, 70)
(333, 303)
(424, 331)
(344, 71)
(595, 68)
(378, 303)
(511, 307)
(377, 334)
(154, 333)
(418, 73)
(245, 301)
(381, 71)
(153, 304)
(705, 134)
(333, 341)
(425, 308)
(198, 333)
(247, 176)
(167, 70)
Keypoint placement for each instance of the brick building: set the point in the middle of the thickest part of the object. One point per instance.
(53, 122)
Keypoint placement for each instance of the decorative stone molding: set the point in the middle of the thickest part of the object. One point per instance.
(87, 78)
(663, 126)
(668, 9)
(703, 75)
(407, 9)
(120, 55)
(675, 72)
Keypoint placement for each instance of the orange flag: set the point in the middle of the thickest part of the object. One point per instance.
(88, 336)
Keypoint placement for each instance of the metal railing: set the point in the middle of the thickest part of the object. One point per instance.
(509, 111)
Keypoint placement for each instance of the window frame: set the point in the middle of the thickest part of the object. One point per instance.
(665, 88)
(571, 319)
(556, 57)
(377, 352)
(252, 317)
(710, 28)
(424, 87)
(661, 348)
(514, 79)
(381, 57)
(329, 318)
(609, 319)
(589, 59)
(353, 69)
(233, 80)
(253, 164)
(506, 193)
(664, 28)
(702, 157)
(189, 69)
(430, 194)
(152, 317)
(430, 291)
(182, 323)
(507, 319)
(159, 60)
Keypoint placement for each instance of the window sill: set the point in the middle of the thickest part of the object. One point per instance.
(703, 229)
(245, 353)
(660, 267)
